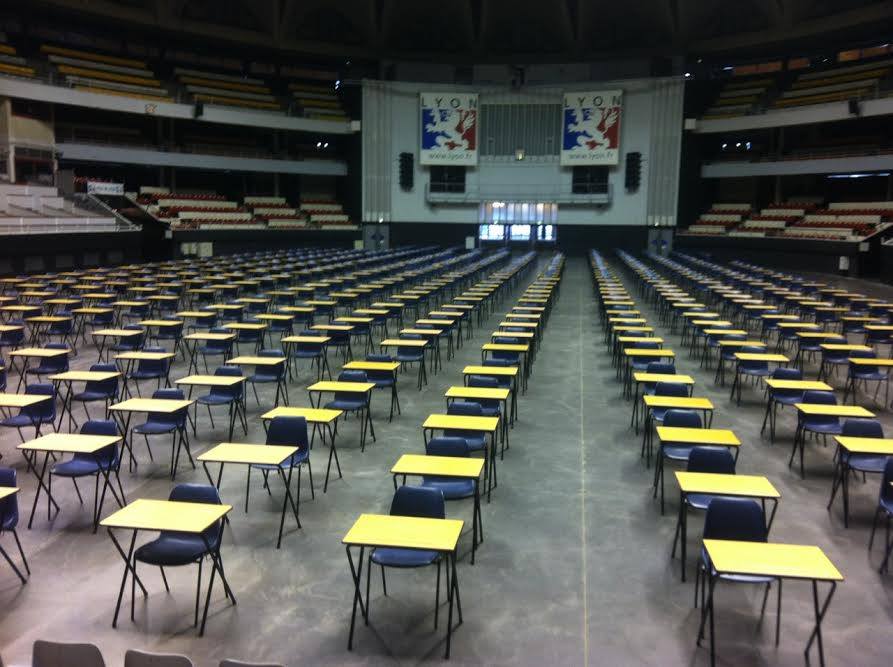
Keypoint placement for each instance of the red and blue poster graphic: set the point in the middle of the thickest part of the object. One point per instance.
(591, 128)
(449, 124)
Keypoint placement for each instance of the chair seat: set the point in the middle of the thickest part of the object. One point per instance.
(212, 350)
(145, 375)
(498, 362)
(788, 400)
(699, 501)
(296, 459)
(43, 371)
(821, 427)
(154, 428)
(476, 443)
(263, 377)
(865, 462)
(18, 421)
(412, 358)
(76, 467)
(738, 578)
(348, 404)
(87, 396)
(403, 557)
(886, 504)
(452, 489)
(756, 372)
(215, 399)
(172, 549)
(677, 452)
(874, 376)
(306, 354)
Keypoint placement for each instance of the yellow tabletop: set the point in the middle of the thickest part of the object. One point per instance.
(753, 356)
(840, 347)
(833, 410)
(157, 515)
(801, 385)
(725, 332)
(250, 454)
(741, 343)
(491, 370)
(877, 446)
(164, 405)
(870, 361)
(306, 339)
(663, 377)
(490, 393)
(245, 326)
(371, 311)
(206, 335)
(441, 466)
(680, 402)
(334, 385)
(354, 320)
(22, 400)
(38, 352)
(638, 352)
(421, 332)
(462, 422)
(791, 561)
(751, 486)
(85, 376)
(404, 532)
(119, 333)
(714, 323)
(312, 415)
(256, 361)
(372, 365)
(636, 339)
(798, 325)
(698, 436)
(69, 443)
(47, 319)
(161, 323)
(211, 380)
(333, 327)
(144, 356)
(505, 347)
(403, 342)
(196, 314)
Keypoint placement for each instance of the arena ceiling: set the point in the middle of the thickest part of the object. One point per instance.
(505, 30)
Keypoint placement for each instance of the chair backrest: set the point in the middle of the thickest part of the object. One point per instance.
(447, 446)
(682, 418)
(278, 370)
(59, 363)
(418, 501)
(235, 391)
(670, 389)
(735, 519)
(136, 658)
(159, 366)
(352, 376)
(62, 654)
(200, 493)
(44, 409)
(787, 374)
(483, 381)
(99, 427)
(862, 428)
(288, 431)
(403, 349)
(820, 397)
(711, 459)
(466, 408)
(661, 367)
(9, 506)
(178, 417)
(108, 387)
(750, 364)
(219, 345)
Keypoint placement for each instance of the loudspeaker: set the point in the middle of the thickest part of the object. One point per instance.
(855, 109)
(198, 110)
(406, 172)
(633, 170)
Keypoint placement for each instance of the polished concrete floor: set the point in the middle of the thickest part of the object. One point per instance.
(575, 569)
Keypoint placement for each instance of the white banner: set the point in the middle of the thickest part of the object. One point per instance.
(101, 188)
(449, 130)
(591, 128)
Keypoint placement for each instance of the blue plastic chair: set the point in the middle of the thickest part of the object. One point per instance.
(415, 501)
(173, 424)
(504, 358)
(885, 510)
(64, 330)
(384, 380)
(105, 462)
(175, 549)
(232, 397)
(9, 520)
(51, 365)
(291, 432)
(270, 375)
(13, 339)
(750, 369)
(655, 416)
(356, 402)
(816, 424)
(476, 440)
(864, 463)
(739, 519)
(37, 414)
(661, 367)
(174, 334)
(130, 343)
(781, 397)
(151, 369)
(315, 352)
(95, 391)
(413, 355)
(216, 348)
(865, 373)
(451, 487)
(674, 452)
(250, 337)
(833, 360)
(716, 460)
